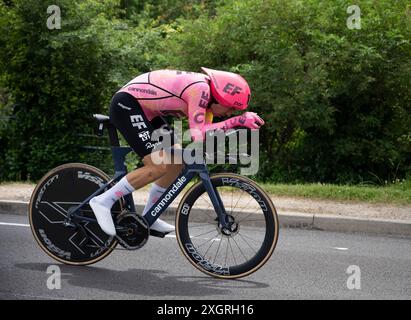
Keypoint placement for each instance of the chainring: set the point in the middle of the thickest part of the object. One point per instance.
(132, 230)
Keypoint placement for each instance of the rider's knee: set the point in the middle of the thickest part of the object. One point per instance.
(163, 168)
(155, 171)
(178, 166)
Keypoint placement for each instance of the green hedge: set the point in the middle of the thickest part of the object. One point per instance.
(58, 78)
(336, 101)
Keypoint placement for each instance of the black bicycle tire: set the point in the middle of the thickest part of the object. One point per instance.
(183, 237)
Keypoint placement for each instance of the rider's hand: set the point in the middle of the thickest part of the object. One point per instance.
(250, 120)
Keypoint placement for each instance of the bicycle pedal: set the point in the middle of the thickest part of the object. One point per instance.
(158, 234)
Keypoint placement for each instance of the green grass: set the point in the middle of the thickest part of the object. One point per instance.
(398, 193)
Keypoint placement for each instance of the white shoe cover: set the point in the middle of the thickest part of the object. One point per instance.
(162, 226)
(103, 215)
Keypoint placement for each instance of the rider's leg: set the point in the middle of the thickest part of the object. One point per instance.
(159, 166)
(136, 179)
(160, 185)
(174, 167)
(128, 117)
(171, 175)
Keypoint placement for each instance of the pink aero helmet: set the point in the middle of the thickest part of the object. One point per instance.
(229, 89)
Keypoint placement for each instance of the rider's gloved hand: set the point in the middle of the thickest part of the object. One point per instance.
(249, 120)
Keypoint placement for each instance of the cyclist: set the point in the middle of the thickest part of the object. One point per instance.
(137, 109)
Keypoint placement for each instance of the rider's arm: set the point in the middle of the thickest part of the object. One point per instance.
(197, 97)
(249, 119)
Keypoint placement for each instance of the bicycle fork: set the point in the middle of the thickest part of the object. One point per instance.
(215, 200)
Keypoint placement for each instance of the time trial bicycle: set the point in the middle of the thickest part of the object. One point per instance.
(226, 225)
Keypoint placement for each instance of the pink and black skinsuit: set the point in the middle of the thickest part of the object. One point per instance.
(138, 108)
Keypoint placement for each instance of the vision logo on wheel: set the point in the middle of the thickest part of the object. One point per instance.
(88, 176)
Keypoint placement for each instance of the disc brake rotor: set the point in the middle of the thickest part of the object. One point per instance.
(231, 230)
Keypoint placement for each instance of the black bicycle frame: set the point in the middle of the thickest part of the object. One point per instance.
(187, 174)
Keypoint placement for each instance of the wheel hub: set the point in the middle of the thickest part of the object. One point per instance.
(232, 228)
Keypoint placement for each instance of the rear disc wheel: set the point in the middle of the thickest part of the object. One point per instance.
(60, 190)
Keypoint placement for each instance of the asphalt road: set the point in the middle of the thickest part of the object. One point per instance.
(305, 265)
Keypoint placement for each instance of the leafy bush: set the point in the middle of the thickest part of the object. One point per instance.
(59, 78)
(336, 101)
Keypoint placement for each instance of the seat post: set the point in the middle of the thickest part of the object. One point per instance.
(113, 135)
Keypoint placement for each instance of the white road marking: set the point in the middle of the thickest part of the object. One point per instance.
(340, 248)
(14, 224)
(8, 294)
(27, 225)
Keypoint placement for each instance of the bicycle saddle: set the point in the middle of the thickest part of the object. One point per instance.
(101, 118)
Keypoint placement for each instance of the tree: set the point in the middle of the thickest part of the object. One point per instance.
(336, 101)
(58, 78)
